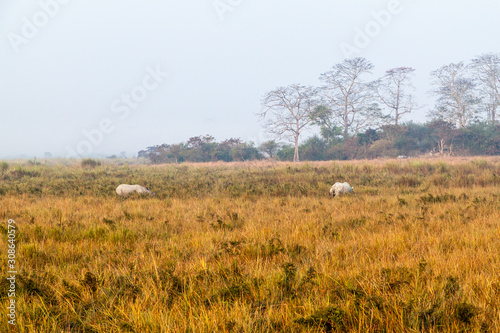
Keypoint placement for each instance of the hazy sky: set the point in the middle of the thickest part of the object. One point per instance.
(102, 77)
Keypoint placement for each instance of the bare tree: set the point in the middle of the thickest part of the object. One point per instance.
(457, 97)
(392, 90)
(349, 98)
(487, 70)
(289, 109)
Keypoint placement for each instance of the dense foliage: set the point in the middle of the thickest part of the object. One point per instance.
(410, 139)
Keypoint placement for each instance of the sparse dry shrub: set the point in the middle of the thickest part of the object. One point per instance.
(330, 319)
(90, 163)
(34, 286)
(452, 287)
(20, 172)
(443, 167)
(90, 281)
(441, 180)
(465, 312)
(465, 180)
(287, 283)
(394, 168)
(408, 181)
(481, 164)
(423, 168)
(4, 166)
(429, 198)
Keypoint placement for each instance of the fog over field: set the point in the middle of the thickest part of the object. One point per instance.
(95, 78)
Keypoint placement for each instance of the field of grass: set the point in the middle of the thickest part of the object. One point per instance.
(255, 247)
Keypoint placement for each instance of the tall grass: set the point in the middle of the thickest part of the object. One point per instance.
(256, 247)
(247, 179)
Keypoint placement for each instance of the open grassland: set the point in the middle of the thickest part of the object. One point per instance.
(257, 247)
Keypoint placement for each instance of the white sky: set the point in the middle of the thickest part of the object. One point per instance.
(68, 75)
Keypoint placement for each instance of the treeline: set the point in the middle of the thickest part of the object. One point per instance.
(409, 139)
(352, 100)
(202, 149)
(359, 117)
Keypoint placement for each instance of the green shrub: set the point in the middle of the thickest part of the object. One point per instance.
(91, 163)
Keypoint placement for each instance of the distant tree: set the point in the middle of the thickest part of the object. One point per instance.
(201, 149)
(336, 152)
(322, 117)
(367, 138)
(313, 149)
(349, 98)
(457, 96)
(47, 155)
(393, 132)
(288, 110)
(351, 148)
(245, 151)
(176, 152)
(412, 138)
(382, 148)
(393, 90)
(444, 132)
(487, 69)
(156, 154)
(223, 150)
(199, 141)
(286, 153)
(479, 139)
(270, 148)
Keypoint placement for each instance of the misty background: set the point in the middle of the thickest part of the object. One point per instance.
(67, 66)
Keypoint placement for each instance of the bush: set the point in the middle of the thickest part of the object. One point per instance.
(382, 148)
(4, 166)
(286, 153)
(91, 163)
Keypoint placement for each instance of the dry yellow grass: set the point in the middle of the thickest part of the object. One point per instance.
(415, 249)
